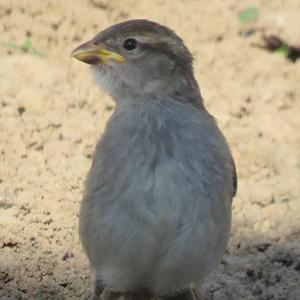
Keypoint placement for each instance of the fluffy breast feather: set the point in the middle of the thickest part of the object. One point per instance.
(158, 196)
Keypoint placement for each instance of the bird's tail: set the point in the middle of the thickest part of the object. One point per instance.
(189, 294)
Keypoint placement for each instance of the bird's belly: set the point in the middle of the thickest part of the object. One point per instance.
(162, 256)
(161, 238)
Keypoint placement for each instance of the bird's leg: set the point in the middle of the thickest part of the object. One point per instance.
(135, 295)
(197, 295)
(98, 289)
(187, 294)
(110, 295)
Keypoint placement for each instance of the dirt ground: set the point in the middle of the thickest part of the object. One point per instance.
(51, 115)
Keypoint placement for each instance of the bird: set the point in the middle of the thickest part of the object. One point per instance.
(155, 216)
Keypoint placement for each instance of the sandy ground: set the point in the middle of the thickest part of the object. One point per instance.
(51, 115)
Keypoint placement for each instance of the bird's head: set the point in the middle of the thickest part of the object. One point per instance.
(137, 57)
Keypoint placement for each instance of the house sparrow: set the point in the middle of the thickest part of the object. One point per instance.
(156, 214)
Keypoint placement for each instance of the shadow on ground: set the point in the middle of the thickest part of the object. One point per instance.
(250, 269)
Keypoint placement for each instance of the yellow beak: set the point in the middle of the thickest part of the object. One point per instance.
(92, 53)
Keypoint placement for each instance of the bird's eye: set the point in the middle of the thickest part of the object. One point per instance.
(130, 44)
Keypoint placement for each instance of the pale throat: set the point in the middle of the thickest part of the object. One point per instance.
(120, 89)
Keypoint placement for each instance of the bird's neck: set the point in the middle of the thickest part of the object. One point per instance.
(182, 91)
(181, 87)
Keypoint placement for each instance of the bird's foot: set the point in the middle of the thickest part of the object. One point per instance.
(187, 294)
(98, 289)
(197, 294)
(139, 295)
